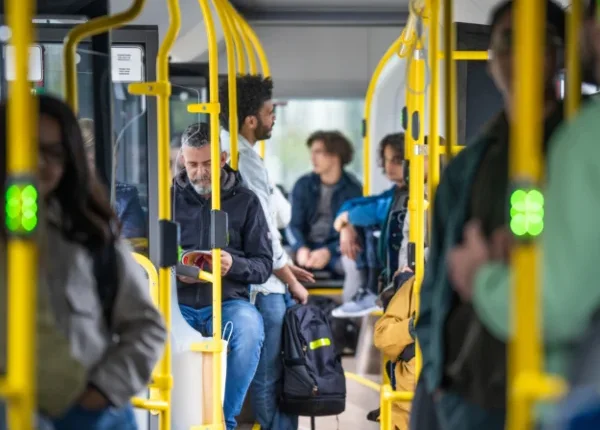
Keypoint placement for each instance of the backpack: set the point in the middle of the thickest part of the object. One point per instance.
(313, 378)
(107, 279)
(344, 330)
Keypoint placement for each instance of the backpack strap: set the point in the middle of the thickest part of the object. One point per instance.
(107, 279)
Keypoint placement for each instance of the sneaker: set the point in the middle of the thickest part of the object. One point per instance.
(363, 303)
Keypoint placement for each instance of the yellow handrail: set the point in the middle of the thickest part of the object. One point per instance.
(392, 50)
(248, 47)
(87, 29)
(387, 397)
(213, 109)
(161, 89)
(573, 75)
(363, 381)
(525, 171)
(415, 104)
(262, 58)
(155, 394)
(467, 55)
(433, 176)
(22, 252)
(231, 80)
(240, 48)
(450, 79)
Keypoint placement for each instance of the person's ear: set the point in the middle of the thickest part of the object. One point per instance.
(223, 158)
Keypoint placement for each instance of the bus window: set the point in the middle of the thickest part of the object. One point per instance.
(181, 97)
(130, 128)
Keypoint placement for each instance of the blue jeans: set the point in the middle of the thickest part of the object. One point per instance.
(243, 350)
(367, 258)
(78, 418)
(265, 388)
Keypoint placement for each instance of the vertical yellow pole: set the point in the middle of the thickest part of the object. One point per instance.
(22, 151)
(249, 48)
(264, 64)
(237, 38)
(231, 80)
(215, 151)
(415, 103)
(392, 50)
(450, 79)
(573, 75)
(434, 104)
(164, 194)
(525, 169)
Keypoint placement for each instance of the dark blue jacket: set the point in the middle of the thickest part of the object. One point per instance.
(129, 211)
(249, 241)
(375, 211)
(305, 201)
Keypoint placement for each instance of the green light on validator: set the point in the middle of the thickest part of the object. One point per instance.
(526, 212)
(21, 208)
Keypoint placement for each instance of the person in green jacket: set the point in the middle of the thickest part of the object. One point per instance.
(444, 318)
(570, 243)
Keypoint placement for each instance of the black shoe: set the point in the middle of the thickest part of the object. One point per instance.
(374, 415)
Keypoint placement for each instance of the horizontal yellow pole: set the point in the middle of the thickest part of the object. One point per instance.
(544, 387)
(325, 291)
(468, 55)
(149, 405)
(363, 381)
(455, 149)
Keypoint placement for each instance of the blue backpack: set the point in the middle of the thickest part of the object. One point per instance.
(313, 378)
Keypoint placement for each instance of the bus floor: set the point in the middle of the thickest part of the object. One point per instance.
(360, 400)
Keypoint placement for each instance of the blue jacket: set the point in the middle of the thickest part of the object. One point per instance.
(249, 240)
(129, 211)
(305, 201)
(375, 211)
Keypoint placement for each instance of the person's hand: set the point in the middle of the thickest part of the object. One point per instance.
(340, 221)
(404, 269)
(318, 258)
(299, 293)
(93, 400)
(501, 244)
(349, 245)
(226, 262)
(302, 256)
(465, 259)
(302, 275)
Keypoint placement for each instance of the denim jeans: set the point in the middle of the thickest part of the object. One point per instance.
(244, 348)
(264, 391)
(78, 418)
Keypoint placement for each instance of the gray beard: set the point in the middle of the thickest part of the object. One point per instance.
(203, 191)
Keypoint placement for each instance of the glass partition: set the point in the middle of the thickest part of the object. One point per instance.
(130, 130)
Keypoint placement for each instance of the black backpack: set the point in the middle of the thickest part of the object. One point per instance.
(313, 378)
(344, 330)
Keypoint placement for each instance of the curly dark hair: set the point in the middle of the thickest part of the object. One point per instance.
(335, 143)
(396, 141)
(252, 92)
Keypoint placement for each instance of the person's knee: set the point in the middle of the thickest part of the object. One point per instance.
(248, 329)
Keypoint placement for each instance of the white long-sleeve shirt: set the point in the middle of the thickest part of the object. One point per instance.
(256, 177)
